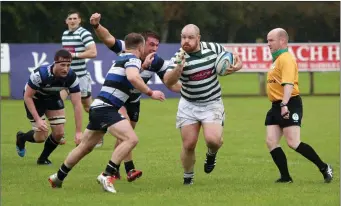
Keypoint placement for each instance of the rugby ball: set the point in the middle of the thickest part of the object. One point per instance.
(223, 63)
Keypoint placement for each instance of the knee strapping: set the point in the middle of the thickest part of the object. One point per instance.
(57, 120)
(34, 124)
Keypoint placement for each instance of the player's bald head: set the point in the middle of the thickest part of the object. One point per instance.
(190, 38)
(279, 33)
(191, 29)
(277, 39)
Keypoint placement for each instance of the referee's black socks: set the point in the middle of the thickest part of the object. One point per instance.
(308, 152)
(280, 160)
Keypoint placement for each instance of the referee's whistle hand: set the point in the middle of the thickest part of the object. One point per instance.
(285, 112)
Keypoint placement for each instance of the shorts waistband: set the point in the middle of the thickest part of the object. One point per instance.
(291, 98)
(82, 75)
(201, 103)
(98, 103)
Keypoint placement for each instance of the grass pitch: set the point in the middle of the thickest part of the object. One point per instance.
(244, 174)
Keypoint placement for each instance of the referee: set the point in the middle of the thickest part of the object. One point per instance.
(285, 115)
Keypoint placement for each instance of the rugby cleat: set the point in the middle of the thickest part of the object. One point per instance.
(118, 176)
(209, 163)
(54, 181)
(107, 182)
(327, 174)
(188, 181)
(133, 175)
(20, 145)
(284, 180)
(44, 162)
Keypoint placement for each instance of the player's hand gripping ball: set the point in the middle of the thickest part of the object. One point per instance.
(224, 63)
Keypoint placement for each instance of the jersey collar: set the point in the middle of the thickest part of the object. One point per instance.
(276, 54)
(71, 32)
(51, 69)
(197, 53)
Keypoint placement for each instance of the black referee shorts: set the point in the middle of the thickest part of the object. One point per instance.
(295, 106)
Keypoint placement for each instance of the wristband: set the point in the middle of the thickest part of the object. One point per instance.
(95, 26)
(282, 104)
(150, 93)
(76, 55)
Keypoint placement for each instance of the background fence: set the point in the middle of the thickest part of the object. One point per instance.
(321, 59)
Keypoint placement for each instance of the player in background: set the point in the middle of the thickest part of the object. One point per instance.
(42, 98)
(123, 76)
(80, 43)
(151, 64)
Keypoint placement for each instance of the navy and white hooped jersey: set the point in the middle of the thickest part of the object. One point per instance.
(116, 88)
(47, 85)
(158, 66)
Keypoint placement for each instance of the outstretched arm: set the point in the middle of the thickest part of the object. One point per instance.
(101, 32)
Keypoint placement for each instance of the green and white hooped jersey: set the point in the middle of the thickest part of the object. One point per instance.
(76, 42)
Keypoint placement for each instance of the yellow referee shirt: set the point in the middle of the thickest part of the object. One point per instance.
(283, 71)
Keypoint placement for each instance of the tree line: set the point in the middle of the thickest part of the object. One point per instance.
(233, 22)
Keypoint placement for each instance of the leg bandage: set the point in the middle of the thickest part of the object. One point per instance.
(34, 124)
(57, 120)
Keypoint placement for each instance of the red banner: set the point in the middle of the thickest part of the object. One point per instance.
(310, 56)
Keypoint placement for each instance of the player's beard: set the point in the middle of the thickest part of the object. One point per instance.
(188, 48)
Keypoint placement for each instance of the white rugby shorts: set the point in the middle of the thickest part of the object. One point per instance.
(85, 84)
(193, 112)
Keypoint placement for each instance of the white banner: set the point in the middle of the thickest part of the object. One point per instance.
(5, 58)
(312, 57)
